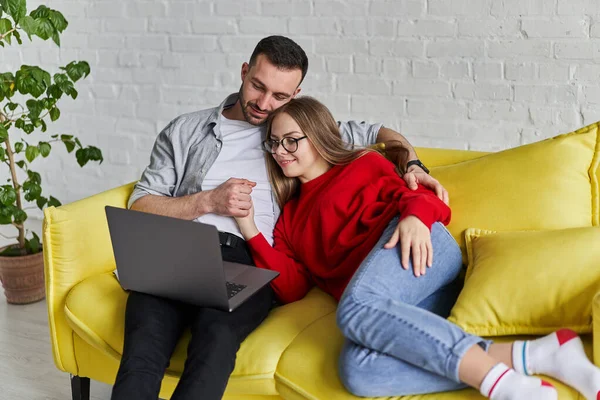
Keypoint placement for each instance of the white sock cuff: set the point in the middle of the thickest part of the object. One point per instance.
(519, 357)
(492, 378)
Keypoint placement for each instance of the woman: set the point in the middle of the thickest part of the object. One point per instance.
(349, 225)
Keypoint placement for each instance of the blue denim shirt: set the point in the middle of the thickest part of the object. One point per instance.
(189, 145)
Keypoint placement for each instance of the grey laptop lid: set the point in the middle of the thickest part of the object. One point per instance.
(175, 258)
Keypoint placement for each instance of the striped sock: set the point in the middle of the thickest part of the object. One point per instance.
(503, 383)
(559, 355)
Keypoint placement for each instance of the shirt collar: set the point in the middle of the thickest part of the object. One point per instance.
(227, 103)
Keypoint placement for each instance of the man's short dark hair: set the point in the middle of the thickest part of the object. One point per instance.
(283, 53)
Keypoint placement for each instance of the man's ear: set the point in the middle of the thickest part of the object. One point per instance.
(298, 90)
(245, 70)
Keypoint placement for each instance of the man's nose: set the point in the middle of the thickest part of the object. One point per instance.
(263, 102)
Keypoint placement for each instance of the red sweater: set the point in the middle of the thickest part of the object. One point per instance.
(325, 232)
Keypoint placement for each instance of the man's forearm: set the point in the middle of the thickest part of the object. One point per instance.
(187, 207)
(386, 134)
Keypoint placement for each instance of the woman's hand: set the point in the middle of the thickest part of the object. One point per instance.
(247, 224)
(414, 238)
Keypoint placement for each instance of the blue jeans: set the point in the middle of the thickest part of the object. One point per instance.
(398, 341)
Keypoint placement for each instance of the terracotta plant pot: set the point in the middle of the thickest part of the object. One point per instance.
(23, 278)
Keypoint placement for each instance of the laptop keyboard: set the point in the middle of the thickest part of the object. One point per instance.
(233, 289)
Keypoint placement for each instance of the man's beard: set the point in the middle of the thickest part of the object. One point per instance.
(247, 116)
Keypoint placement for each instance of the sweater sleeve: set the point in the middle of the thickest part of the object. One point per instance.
(425, 205)
(294, 280)
(422, 202)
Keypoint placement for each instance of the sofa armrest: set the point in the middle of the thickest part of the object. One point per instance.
(596, 328)
(76, 246)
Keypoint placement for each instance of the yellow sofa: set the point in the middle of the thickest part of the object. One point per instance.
(293, 354)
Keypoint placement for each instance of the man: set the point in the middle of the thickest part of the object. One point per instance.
(190, 177)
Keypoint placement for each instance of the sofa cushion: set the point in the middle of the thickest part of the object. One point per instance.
(95, 309)
(529, 282)
(308, 368)
(551, 184)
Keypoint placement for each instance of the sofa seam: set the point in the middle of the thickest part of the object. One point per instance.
(47, 243)
(287, 382)
(593, 174)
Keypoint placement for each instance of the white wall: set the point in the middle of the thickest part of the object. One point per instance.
(465, 74)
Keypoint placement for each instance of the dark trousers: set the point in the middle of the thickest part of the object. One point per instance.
(154, 325)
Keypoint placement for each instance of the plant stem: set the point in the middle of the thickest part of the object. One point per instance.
(13, 172)
(7, 33)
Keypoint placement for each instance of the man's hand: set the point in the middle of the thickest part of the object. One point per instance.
(232, 198)
(414, 238)
(417, 176)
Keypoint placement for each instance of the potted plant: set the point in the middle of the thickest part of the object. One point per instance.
(28, 100)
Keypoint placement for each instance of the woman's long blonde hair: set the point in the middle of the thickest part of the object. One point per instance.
(317, 123)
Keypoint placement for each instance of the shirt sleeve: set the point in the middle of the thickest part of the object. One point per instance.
(159, 177)
(294, 280)
(360, 134)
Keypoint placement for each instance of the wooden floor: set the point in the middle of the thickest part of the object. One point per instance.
(27, 371)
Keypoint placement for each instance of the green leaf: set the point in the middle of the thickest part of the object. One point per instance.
(70, 145)
(29, 25)
(32, 80)
(35, 108)
(82, 156)
(15, 8)
(3, 132)
(33, 191)
(20, 123)
(21, 164)
(28, 128)
(54, 114)
(2, 153)
(58, 20)
(54, 91)
(44, 149)
(8, 196)
(6, 215)
(56, 38)
(95, 154)
(41, 12)
(19, 216)
(33, 245)
(41, 202)
(12, 106)
(31, 153)
(5, 25)
(34, 177)
(18, 147)
(53, 202)
(17, 36)
(76, 70)
(45, 29)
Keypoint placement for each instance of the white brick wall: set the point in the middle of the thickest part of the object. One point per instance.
(466, 74)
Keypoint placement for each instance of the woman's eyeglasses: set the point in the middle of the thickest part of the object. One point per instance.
(290, 144)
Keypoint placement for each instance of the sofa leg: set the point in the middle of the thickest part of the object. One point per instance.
(80, 388)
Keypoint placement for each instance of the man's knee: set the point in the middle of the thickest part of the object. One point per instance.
(145, 363)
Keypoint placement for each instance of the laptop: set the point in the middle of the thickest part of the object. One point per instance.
(180, 260)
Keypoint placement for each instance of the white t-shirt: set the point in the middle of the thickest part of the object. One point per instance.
(241, 156)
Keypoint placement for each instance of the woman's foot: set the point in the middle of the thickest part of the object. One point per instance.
(559, 355)
(503, 383)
